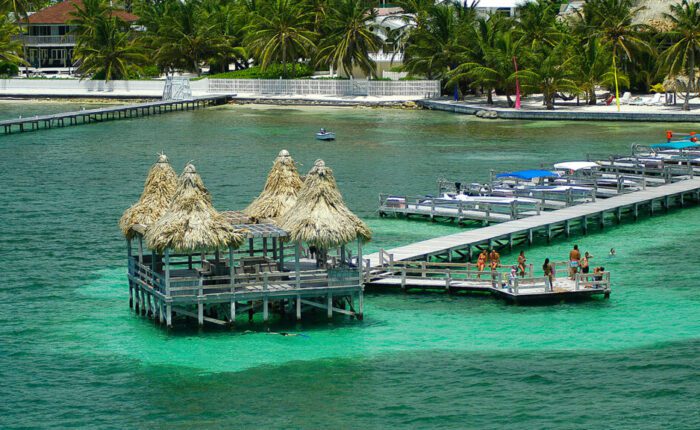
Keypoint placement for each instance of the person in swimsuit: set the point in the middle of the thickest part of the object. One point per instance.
(548, 275)
(574, 261)
(495, 259)
(481, 262)
(521, 263)
(585, 263)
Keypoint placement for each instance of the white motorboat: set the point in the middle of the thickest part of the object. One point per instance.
(325, 135)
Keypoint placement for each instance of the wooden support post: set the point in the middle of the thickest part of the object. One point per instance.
(360, 298)
(469, 253)
(549, 233)
(635, 211)
(666, 203)
(682, 200)
(529, 237)
(264, 245)
(510, 242)
(169, 314)
(232, 317)
(265, 298)
(330, 305)
(161, 313)
(651, 207)
(602, 220)
(567, 227)
(297, 265)
(298, 304)
(200, 305)
(281, 259)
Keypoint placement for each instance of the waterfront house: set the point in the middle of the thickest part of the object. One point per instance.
(48, 42)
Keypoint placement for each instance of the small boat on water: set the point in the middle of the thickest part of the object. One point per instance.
(323, 134)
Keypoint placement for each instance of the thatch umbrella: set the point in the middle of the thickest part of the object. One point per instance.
(158, 191)
(191, 223)
(320, 217)
(280, 191)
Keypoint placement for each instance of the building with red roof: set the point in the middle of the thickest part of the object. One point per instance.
(47, 38)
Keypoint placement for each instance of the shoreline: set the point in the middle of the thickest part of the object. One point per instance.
(478, 108)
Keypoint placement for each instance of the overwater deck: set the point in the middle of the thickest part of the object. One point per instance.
(465, 277)
(548, 224)
(111, 113)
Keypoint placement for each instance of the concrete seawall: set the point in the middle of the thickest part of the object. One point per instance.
(554, 115)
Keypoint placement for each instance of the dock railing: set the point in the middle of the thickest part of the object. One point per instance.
(202, 285)
(462, 210)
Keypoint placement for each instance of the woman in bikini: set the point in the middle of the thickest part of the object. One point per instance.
(481, 262)
(548, 274)
(495, 259)
(521, 263)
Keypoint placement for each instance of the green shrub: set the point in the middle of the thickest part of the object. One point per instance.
(273, 71)
(8, 70)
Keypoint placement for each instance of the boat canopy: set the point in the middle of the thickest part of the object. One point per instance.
(528, 174)
(684, 144)
(575, 165)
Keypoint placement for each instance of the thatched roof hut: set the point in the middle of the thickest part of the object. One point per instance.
(320, 216)
(191, 223)
(158, 191)
(280, 191)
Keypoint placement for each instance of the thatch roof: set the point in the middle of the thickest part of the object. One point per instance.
(157, 193)
(191, 223)
(320, 216)
(280, 191)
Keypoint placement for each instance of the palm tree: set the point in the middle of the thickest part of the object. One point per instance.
(439, 46)
(680, 56)
(538, 24)
(10, 46)
(108, 50)
(613, 22)
(594, 68)
(550, 71)
(491, 65)
(186, 37)
(281, 32)
(350, 39)
(229, 23)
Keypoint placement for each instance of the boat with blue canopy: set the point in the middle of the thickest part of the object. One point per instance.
(528, 175)
(682, 144)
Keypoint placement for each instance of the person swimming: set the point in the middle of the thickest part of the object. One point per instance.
(612, 252)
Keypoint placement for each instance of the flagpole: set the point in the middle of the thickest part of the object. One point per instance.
(517, 85)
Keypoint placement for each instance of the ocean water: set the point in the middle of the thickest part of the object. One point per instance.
(72, 354)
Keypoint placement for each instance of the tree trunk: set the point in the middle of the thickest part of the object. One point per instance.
(550, 101)
(489, 96)
(691, 80)
(591, 97)
(511, 103)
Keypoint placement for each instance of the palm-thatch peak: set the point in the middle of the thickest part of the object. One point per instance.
(158, 191)
(191, 223)
(280, 191)
(320, 216)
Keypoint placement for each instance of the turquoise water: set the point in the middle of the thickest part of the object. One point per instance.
(73, 355)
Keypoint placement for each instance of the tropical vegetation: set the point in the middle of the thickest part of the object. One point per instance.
(606, 44)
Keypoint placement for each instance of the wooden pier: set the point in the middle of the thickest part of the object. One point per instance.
(112, 113)
(548, 224)
(465, 277)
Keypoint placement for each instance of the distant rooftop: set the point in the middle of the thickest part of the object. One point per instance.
(60, 13)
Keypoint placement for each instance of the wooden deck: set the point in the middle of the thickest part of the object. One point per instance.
(547, 223)
(112, 113)
(464, 277)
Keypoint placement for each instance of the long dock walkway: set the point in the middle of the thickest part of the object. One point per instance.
(548, 223)
(65, 119)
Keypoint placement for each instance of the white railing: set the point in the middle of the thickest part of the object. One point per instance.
(67, 39)
(325, 87)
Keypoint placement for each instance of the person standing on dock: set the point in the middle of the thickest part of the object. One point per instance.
(585, 264)
(548, 275)
(521, 263)
(574, 262)
(495, 259)
(481, 262)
